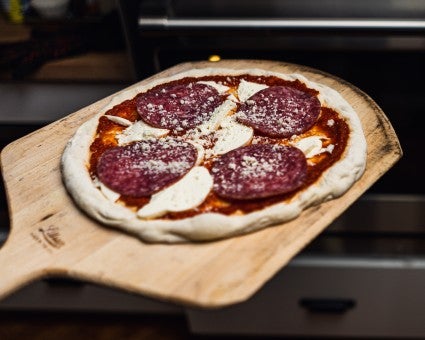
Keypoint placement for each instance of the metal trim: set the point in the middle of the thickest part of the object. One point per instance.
(152, 23)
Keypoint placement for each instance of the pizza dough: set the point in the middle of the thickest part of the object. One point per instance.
(237, 145)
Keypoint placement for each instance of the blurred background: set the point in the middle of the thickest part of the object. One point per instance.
(363, 277)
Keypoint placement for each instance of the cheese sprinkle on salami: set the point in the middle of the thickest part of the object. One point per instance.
(143, 168)
(178, 107)
(259, 171)
(280, 111)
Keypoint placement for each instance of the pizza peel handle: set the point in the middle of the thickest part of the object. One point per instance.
(19, 265)
(25, 255)
(48, 236)
(42, 241)
(51, 236)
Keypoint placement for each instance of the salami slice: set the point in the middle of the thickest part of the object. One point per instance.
(178, 107)
(259, 171)
(280, 111)
(143, 168)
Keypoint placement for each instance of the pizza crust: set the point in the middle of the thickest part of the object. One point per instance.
(334, 182)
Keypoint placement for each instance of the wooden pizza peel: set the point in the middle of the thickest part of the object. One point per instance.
(50, 236)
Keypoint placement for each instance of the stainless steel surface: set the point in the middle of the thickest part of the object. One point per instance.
(384, 213)
(369, 25)
(285, 8)
(355, 297)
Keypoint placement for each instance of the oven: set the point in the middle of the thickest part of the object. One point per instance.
(364, 275)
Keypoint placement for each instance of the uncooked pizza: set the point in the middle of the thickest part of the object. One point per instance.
(214, 153)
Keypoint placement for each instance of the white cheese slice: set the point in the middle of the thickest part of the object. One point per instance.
(201, 151)
(311, 146)
(219, 87)
(232, 135)
(232, 98)
(187, 193)
(246, 89)
(216, 118)
(109, 194)
(330, 148)
(119, 120)
(138, 131)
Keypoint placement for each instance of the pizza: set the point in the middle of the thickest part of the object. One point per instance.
(213, 153)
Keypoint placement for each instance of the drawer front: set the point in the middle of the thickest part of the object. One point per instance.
(333, 298)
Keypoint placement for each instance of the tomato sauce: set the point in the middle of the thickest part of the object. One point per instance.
(329, 125)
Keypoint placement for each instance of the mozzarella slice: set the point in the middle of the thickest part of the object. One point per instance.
(138, 131)
(201, 151)
(216, 118)
(187, 193)
(246, 89)
(119, 120)
(108, 193)
(232, 135)
(219, 87)
(232, 98)
(311, 146)
(330, 148)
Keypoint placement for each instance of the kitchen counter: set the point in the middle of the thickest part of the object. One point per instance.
(93, 66)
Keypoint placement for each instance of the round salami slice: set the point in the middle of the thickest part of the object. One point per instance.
(259, 171)
(178, 107)
(143, 168)
(280, 111)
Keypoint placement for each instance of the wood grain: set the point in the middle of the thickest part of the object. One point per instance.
(50, 236)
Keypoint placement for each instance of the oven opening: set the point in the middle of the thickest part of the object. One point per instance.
(378, 47)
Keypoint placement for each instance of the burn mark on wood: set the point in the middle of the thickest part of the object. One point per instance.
(52, 236)
(46, 217)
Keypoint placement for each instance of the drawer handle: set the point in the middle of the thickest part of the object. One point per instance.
(326, 305)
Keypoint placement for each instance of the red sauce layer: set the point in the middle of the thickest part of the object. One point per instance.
(336, 134)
